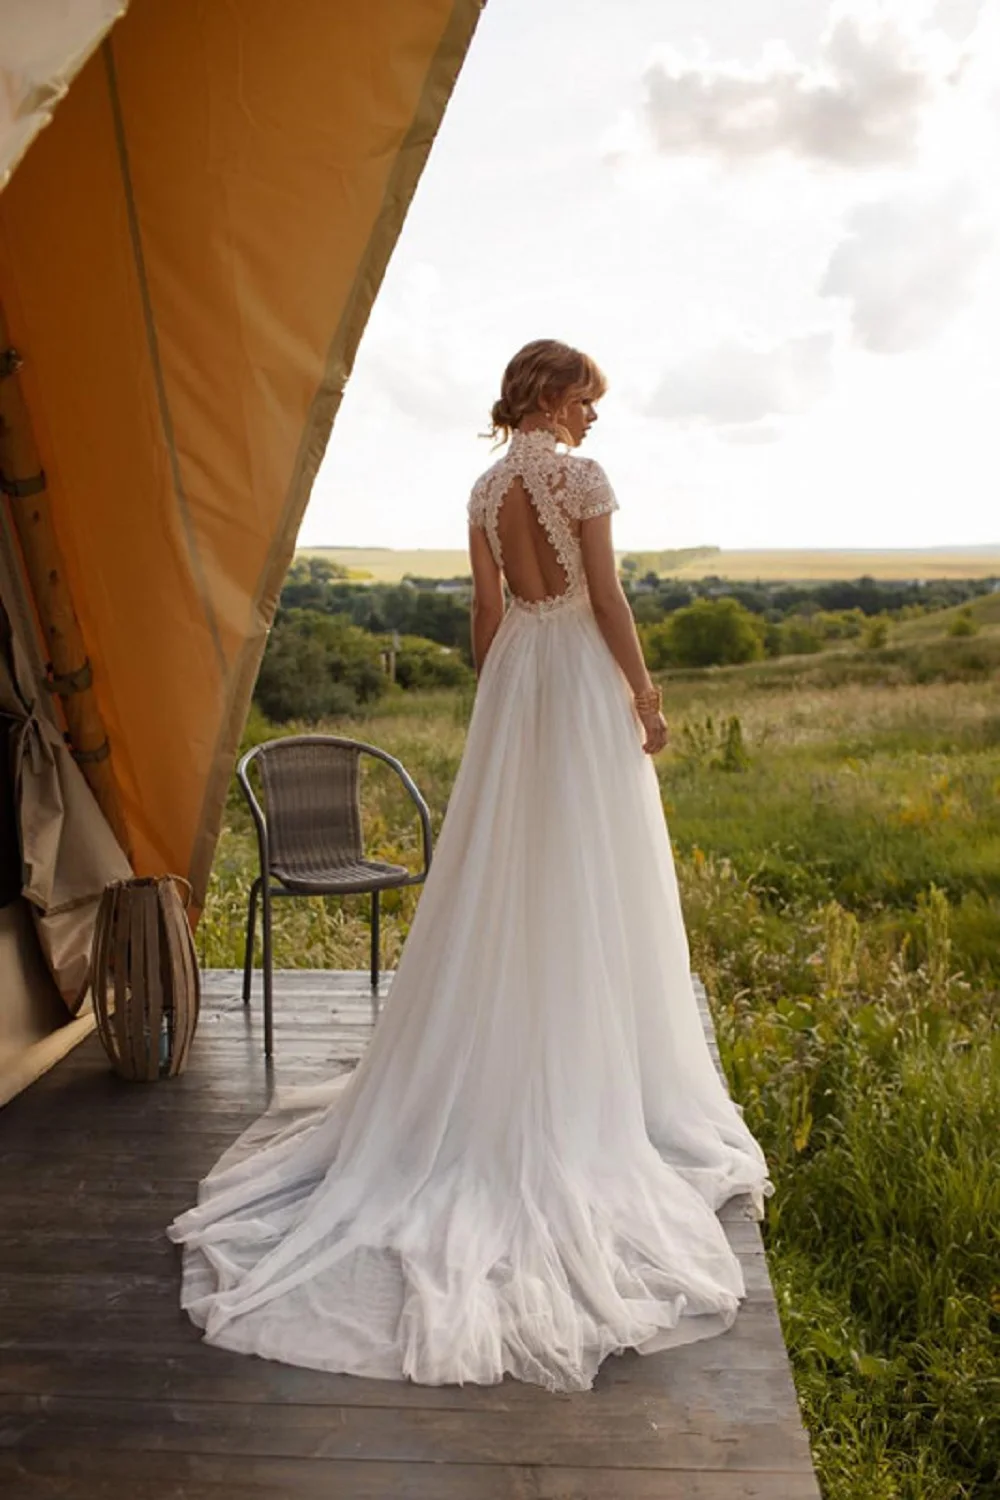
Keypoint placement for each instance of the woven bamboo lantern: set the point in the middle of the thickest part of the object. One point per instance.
(144, 977)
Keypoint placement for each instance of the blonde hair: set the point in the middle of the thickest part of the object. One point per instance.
(542, 370)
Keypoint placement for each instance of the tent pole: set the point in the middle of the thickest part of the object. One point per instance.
(22, 479)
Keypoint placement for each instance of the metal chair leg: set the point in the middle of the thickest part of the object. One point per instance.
(251, 933)
(375, 940)
(268, 968)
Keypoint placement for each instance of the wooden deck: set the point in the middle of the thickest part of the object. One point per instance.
(107, 1391)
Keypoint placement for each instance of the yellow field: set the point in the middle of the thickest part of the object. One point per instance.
(970, 562)
(386, 565)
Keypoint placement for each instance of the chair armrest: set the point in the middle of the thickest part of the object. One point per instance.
(414, 791)
(256, 811)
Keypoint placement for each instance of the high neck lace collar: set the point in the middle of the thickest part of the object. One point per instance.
(539, 439)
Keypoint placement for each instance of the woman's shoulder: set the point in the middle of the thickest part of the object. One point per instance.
(582, 486)
(483, 487)
(587, 489)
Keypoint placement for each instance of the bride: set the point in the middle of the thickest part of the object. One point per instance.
(522, 1175)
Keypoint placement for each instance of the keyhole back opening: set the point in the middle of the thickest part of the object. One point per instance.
(530, 558)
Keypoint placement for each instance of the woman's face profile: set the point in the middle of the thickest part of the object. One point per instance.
(576, 414)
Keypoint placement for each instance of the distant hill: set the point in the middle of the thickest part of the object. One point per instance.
(386, 565)
(984, 613)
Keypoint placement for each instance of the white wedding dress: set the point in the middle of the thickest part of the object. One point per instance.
(522, 1174)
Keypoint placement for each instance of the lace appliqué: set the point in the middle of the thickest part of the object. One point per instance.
(561, 487)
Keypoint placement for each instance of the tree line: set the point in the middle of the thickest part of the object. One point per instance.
(338, 644)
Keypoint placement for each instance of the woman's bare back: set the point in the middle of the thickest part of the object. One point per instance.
(530, 562)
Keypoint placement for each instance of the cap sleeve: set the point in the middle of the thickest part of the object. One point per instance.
(477, 502)
(589, 491)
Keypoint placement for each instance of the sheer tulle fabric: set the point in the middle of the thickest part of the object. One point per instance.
(522, 1174)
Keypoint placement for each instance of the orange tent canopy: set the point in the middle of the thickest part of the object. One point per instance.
(188, 255)
(197, 205)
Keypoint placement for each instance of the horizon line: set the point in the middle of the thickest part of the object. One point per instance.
(952, 547)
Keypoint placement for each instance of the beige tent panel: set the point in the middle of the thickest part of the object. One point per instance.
(68, 851)
(188, 254)
(43, 44)
(35, 1031)
(65, 854)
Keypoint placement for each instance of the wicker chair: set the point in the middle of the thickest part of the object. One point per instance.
(309, 837)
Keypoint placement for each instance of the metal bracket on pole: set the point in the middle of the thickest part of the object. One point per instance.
(10, 362)
(64, 683)
(21, 489)
(18, 489)
(91, 757)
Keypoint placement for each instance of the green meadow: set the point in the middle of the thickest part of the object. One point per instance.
(836, 824)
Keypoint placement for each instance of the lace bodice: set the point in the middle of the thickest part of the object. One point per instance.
(562, 489)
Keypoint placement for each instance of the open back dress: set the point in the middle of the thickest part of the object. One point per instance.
(522, 1174)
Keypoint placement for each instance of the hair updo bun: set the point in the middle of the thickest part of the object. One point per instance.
(539, 374)
(502, 419)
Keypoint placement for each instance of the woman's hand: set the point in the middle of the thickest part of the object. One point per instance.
(648, 703)
(657, 732)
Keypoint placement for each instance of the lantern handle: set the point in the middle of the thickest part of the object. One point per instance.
(188, 889)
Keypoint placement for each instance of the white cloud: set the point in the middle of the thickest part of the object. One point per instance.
(862, 105)
(734, 384)
(908, 265)
(693, 283)
(411, 352)
(752, 433)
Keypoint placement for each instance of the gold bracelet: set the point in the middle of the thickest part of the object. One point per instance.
(651, 702)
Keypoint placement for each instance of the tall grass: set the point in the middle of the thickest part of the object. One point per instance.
(869, 1068)
(843, 898)
(841, 883)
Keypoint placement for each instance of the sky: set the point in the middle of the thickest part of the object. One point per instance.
(775, 224)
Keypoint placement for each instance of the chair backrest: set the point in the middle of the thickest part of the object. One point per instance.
(313, 802)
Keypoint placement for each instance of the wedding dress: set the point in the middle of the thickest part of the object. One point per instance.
(521, 1175)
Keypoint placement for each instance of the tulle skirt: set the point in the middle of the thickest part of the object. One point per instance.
(521, 1175)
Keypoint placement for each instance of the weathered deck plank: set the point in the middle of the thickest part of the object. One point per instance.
(106, 1388)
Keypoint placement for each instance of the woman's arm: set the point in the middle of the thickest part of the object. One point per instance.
(487, 595)
(614, 619)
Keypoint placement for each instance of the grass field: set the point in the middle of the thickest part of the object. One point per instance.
(386, 565)
(841, 886)
(984, 612)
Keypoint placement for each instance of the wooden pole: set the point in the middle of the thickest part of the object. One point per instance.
(70, 677)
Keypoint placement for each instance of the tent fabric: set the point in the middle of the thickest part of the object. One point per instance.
(43, 45)
(188, 255)
(68, 852)
(36, 1029)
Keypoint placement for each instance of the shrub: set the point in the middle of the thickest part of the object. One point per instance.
(876, 634)
(838, 625)
(701, 744)
(424, 664)
(714, 633)
(963, 624)
(773, 637)
(657, 645)
(317, 666)
(799, 638)
(733, 755)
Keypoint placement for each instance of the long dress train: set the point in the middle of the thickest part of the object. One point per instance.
(521, 1175)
